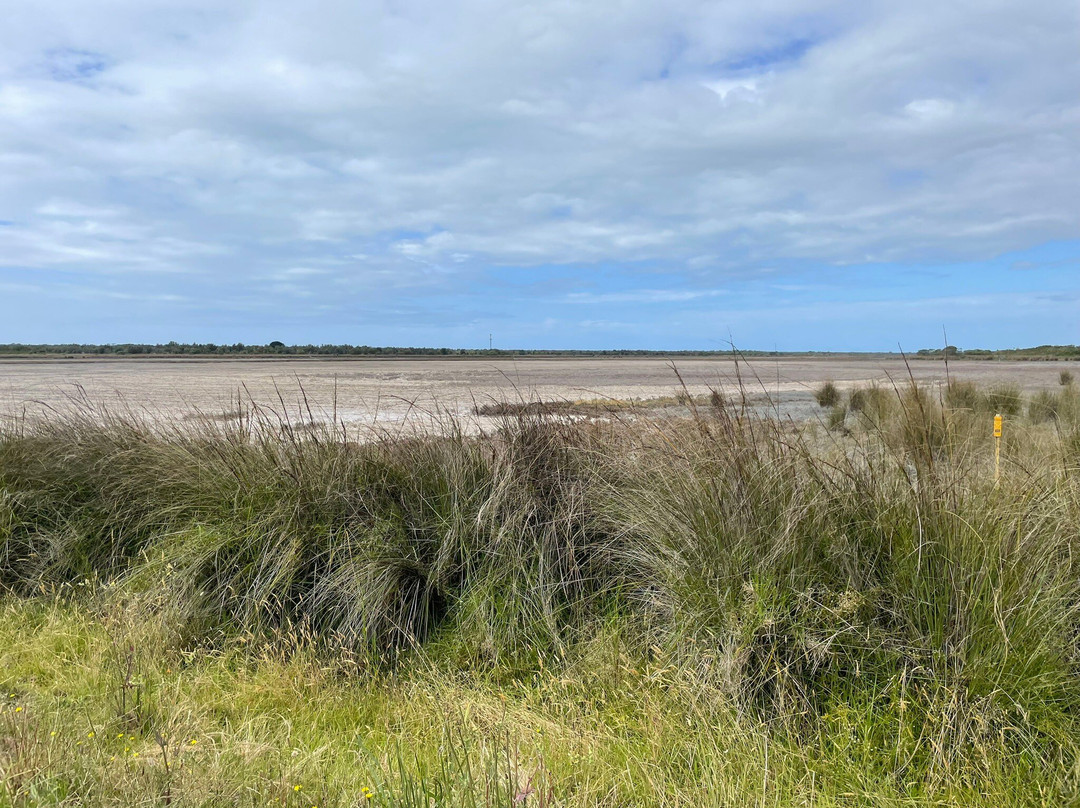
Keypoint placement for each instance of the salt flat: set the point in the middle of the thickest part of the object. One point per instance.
(393, 390)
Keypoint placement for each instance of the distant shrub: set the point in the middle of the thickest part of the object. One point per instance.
(872, 402)
(857, 399)
(1068, 406)
(837, 417)
(1044, 406)
(828, 395)
(1065, 378)
(1071, 449)
(1005, 399)
(962, 396)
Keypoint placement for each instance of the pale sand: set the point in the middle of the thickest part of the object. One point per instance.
(369, 390)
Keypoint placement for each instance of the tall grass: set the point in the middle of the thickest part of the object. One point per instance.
(874, 585)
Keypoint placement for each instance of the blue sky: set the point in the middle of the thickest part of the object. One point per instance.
(611, 173)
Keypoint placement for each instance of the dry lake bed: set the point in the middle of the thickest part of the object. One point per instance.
(402, 390)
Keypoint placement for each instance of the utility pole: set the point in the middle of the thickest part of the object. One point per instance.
(489, 342)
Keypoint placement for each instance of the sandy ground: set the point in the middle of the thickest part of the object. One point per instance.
(389, 391)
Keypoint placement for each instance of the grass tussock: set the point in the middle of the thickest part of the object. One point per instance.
(718, 610)
(828, 395)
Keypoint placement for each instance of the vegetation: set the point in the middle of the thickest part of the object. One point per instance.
(278, 348)
(1038, 352)
(722, 610)
(828, 395)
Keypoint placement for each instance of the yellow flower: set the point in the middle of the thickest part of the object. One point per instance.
(90, 735)
(18, 709)
(297, 787)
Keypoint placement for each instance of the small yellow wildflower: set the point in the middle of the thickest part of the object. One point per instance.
(52, 734)
(90, 735)
(297, 787)
(134, 754)
(18, 709)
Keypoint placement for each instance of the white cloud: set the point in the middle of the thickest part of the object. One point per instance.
(735, 89)
(930, 109)
(644, 296)
(243, 139)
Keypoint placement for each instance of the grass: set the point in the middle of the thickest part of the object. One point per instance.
(828, 395)
(721, 610)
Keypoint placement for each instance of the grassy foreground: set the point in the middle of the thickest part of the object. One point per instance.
(722, 611)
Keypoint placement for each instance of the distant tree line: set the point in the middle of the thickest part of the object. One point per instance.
(1038, 352)
(278, 348)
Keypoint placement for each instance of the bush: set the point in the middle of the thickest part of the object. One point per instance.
(1065, 378)
(828, 395)
(1044, 406)
(837, 418)
(1005, 399)
(874, 403)
(962, 395)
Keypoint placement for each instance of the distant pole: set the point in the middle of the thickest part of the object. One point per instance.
(489, 342)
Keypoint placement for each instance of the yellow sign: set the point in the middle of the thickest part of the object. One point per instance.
(997, 426)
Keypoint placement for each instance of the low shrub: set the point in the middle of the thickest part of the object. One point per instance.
(963, 395)
(1044, 406)
(1005, 399)
(828, 395)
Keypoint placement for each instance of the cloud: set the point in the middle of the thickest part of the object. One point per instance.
(441, 141)
(644, 296)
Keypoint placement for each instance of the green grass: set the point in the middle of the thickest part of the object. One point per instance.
(725, 610)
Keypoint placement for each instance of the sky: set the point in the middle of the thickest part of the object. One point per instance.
(777, 174)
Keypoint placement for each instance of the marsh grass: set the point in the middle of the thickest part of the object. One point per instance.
(828, 395)
(725, 609)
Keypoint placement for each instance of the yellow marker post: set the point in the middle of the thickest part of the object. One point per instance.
(997, 447)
